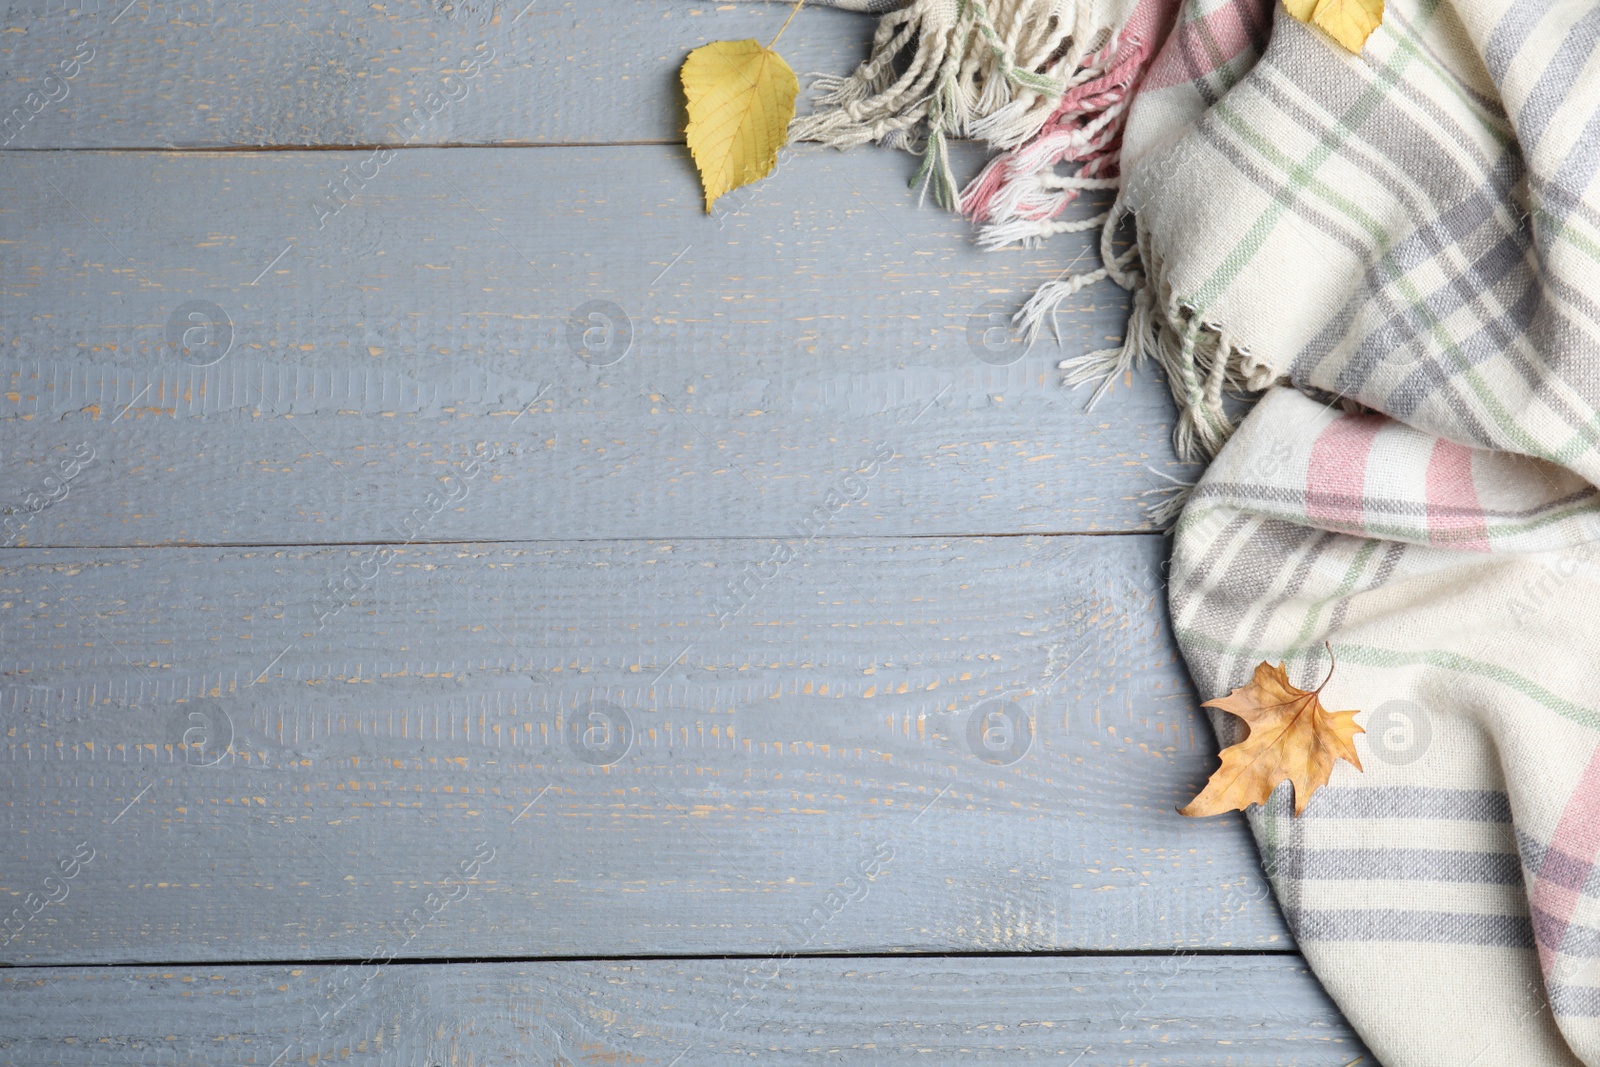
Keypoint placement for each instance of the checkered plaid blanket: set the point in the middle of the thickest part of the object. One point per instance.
(1403, 249)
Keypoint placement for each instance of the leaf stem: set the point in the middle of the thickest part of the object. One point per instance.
(798, 5)
(1326, 680)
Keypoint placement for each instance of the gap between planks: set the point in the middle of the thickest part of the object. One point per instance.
(379, 146)
(645, 957)
(465, 542)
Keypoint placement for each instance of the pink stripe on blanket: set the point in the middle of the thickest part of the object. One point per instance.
(1558, 882)
(1336, 477)
(1455, 517)
(1199, 47)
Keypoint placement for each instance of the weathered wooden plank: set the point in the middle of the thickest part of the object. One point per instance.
(664, 747)
(1192, 1011)
(165, 73)
(347, 370)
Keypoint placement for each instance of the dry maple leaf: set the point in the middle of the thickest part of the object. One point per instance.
(1291, 736)
(1350, 22)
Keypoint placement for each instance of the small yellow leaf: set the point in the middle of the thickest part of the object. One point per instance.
(741, 98)
(1350, 22)
(1292, 736)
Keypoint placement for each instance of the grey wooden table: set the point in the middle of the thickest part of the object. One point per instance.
(462, 605)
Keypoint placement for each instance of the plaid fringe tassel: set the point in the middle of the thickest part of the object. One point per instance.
(994, 70)
(1022, 192)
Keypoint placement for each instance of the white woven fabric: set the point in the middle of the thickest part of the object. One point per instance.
(1405, 247)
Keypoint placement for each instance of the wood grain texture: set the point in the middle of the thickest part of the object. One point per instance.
(992, 732)
(202, 73)
(351, 367)
(508, 662)
(1179, 1011)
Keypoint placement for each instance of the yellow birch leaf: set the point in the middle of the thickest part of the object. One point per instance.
(741, 98)
(1350, 22)
(1292, 736)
